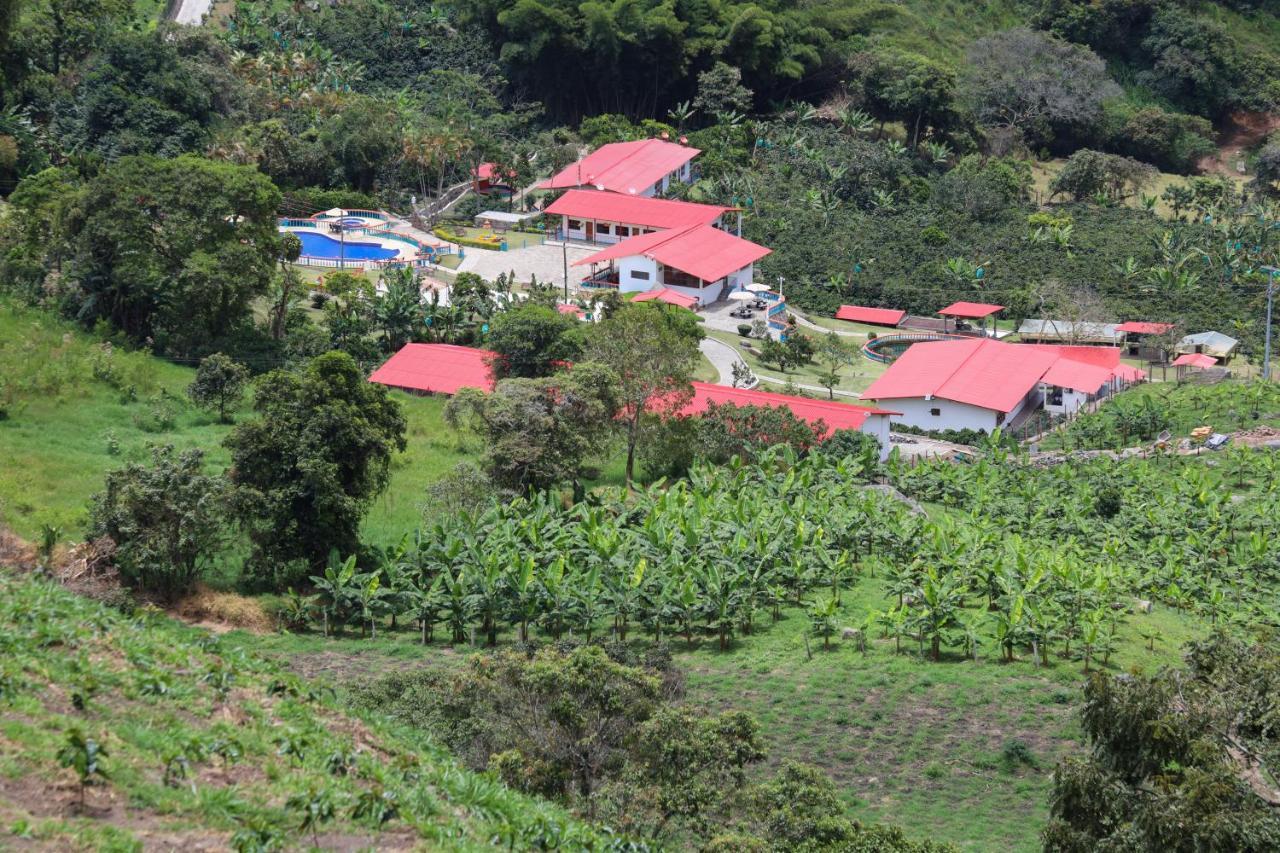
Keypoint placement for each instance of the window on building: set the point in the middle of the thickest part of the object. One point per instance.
(623, 231)
(1054, 397)
(642, 275)
(602, 228)
(575, 224)
(936, 412)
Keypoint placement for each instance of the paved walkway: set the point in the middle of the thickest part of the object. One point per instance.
(546, 262)
(191, 11)
(722, 357)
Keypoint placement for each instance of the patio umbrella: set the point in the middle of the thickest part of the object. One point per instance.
(741, 296)
(757, 287)
(334, 211)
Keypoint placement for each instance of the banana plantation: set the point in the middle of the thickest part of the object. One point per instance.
(998, 559)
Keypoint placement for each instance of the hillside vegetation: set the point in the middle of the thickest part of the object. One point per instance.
(128, 731)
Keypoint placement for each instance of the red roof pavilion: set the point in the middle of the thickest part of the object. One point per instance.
(667, 295)
(970, 310)
(871, 316)
(436, 369)
(1137, 327)
(1195, 359)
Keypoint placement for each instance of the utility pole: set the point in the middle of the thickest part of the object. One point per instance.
(1266, 347)
(564, 250)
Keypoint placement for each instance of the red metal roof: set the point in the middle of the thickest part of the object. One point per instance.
(1076, 375)
(835, 415)
(1137, 327)
(703, 251)
(634, 210)
(873, 316)
(436, 368)
(624, 167)
(1195, 359)
(980, 372)
(970, 310)
(667, 295)
(575, 310)
(1108, 357)
(995, 375)
(1128, 373)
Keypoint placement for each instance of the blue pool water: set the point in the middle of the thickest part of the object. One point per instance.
(323, 246)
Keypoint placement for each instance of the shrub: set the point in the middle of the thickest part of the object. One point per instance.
(934, 236)
(165, 520)
(744, 330)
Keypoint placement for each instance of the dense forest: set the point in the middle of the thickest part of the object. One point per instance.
(881, 166)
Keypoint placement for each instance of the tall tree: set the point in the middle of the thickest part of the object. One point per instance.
(165, 520)
(530, 340)
(173, 250)
(652, 350)
(1036, 84)
(540, 432)
(306, 469)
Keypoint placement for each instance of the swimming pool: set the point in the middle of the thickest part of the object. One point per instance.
(322, 246)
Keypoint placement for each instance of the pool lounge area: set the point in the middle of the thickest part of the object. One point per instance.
(358, 239)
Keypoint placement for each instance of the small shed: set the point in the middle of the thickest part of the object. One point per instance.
(1221, 347)
(1139, 338)
(871, 316)
(501, 220)
(1070, 332)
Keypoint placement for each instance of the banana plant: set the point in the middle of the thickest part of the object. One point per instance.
(336, 589)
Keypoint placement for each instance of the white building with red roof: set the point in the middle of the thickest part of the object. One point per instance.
(605, 218)
(651, 243)
(982, 384)
(645, 168)
(700, 261)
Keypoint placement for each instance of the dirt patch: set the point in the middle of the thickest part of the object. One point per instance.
(337, 667)
(1242, 132)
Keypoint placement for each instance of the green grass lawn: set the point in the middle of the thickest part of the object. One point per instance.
(67, 429)
(854, 378)
(909, 741)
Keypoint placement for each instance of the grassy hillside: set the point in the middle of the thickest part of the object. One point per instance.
(78, 409)
(960, 751)
(202, 745)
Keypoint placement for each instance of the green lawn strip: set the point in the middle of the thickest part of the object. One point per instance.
(854, 378)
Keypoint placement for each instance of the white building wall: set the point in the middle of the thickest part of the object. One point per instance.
(740, 279)
(878, 425)
(1072, 401)
(629, 282)
(918, 412)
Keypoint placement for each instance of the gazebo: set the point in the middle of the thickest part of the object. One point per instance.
(970, 311)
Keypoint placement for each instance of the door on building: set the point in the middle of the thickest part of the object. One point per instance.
(591, 232)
